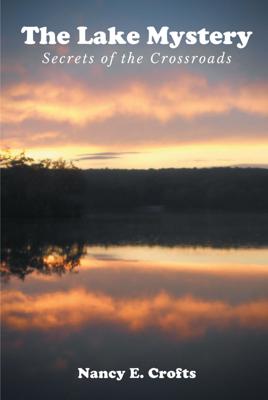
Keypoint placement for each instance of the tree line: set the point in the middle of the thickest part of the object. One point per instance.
(59, 189)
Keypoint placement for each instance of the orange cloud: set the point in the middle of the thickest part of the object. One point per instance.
(184, 317)
(186, 96)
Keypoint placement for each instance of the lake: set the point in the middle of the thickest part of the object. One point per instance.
(113, 292)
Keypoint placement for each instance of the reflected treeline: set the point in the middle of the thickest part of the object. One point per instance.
(57, 246)
(22, 254)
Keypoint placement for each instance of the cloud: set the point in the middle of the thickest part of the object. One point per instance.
(109, 155)
(183, 317)
(133, 115)
(186, 96)
(96, 158)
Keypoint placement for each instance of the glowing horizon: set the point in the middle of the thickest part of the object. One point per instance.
(131, 116)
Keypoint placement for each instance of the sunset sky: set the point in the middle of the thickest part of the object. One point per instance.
(137, 116)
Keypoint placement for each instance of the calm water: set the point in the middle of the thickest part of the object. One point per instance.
(113, 293)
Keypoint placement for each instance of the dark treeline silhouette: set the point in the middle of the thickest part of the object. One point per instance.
(58, 189)
(45, 188)
(226, 189)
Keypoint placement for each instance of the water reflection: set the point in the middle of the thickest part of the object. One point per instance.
(24, 259)
(59, 246)
(183, 317)
(71, 297)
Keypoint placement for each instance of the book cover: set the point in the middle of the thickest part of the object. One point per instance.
(134, 190)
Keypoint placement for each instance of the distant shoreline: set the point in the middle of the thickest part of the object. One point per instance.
(29, 191)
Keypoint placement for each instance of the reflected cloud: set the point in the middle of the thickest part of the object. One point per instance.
(108, 257)
(204, 260)
(182, 317)
(56, 260)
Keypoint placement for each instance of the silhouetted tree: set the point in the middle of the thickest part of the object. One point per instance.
(50, 188)
(41, 188)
